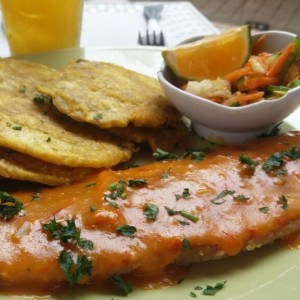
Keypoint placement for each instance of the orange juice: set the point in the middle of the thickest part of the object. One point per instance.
(42, 25)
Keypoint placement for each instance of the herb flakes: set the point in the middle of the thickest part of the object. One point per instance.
(151, 211)
(83, 267)
(126, 230)
(9, 206)
(64, 233)
(121, 283)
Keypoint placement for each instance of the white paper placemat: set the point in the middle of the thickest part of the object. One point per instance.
(117, 25)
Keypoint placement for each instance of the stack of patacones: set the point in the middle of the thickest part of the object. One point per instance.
(57, 126)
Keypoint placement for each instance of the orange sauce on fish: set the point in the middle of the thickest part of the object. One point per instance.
(191, 190)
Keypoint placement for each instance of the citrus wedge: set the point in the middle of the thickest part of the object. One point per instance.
(211, 57)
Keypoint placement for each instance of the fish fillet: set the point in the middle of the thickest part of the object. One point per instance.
(220, 205)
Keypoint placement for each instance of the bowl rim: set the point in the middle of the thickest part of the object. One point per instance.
(262, 103)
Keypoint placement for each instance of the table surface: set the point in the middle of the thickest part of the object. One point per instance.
(180, 20)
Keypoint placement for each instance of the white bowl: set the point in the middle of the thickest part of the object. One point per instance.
(233, 125)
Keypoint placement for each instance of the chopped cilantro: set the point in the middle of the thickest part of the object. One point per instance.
(36, 195)
(98, 117)
(277, 159)
(219, 199)
(92, 208)
(171, 212)
(66, 233)
(112, 203)
(22, 89)
(284, 202)
(121, 283)
(182, 222)
(240, 198)
(48, 139)
(273, 132)
(9, 206)
(136, 182)
(84, 267)
(245, 159)
(126, 230)
(42, 99)
(151, 211)
(164, 155)
(117, 190)
(196, 154)
(193, 295)
(88, 185)
(186, 245)
(189, 216)
(185, 194)
(17, 127)
(212, 290)
(264, 209)
(166, 173)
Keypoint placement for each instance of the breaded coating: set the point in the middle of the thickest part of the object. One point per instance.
(109, 95)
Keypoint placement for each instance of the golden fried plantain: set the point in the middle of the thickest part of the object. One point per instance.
(109, 95)
(15, 165)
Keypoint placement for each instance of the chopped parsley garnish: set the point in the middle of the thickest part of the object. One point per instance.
(278, 159)
(166, 174)
(172, 212)
(126, 230)
(183, 213)
(9, 206)
(273, 132)
(189, 216)
(240, 198)
(160, 155)
(98, 117)
(186, 245)
(42, 99)
(264, 209)
(17, 127)
(195, 154)
(151, 211)
(112, 203)
(212, 290)
(185, 194)
(182, 222)
(36, 195)
(48, 139)
(284, 202)
(92, 208)
(245, 159)
(219, 199)
(136, 182)
(117, 190)
(66, 233)
(22, 89)
(121, 283)
(88, 185)
(83, 267)
(193, 295)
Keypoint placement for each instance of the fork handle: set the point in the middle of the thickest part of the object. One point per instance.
(153, 25)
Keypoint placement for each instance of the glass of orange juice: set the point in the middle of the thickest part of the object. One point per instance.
(42, 25)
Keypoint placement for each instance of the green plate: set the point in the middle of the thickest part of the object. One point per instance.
(267, 273)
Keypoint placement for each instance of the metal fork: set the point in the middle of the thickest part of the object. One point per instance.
(153, 35)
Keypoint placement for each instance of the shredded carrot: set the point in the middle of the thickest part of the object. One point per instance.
(237, 74)
(254, 83)
(216, 100)
(256, 48)
(280, 61)
(244, 98)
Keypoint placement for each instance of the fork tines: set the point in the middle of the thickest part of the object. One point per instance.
(152, 38)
